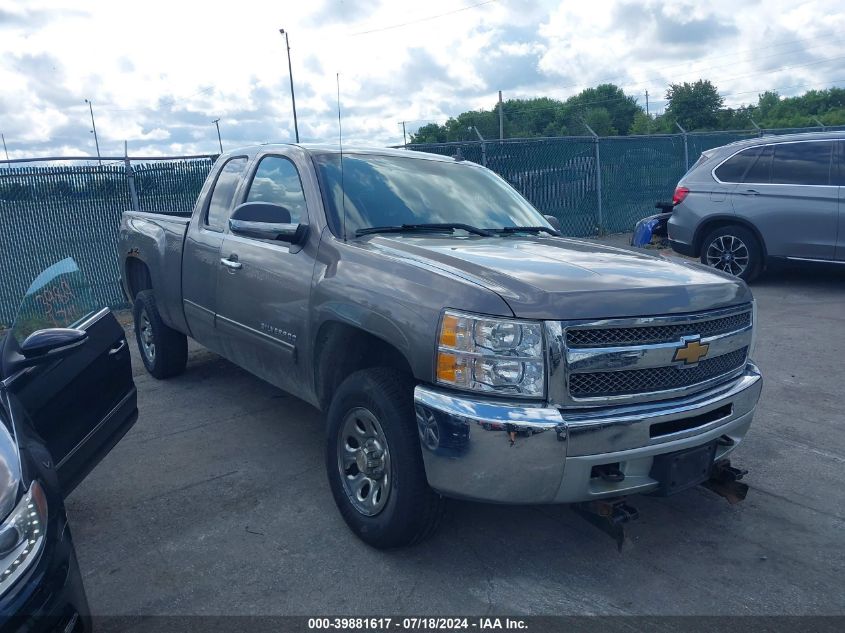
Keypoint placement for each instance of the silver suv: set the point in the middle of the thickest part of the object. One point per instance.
(770, 198)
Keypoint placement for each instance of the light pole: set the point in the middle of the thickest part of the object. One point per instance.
(219, 140)
(4, 146)
(292, 95)
(94, 130)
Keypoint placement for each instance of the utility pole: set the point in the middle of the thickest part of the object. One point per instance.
(646, 104)
(756, 127)
(4, 146)
(94, 130)
(647, 115)
(501, 119)
(292, 95)
(404, 136)
(219, 140)
(821, 125)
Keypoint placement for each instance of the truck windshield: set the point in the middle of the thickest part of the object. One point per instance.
(391, 191)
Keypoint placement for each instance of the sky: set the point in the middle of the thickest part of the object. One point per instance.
(159, 72)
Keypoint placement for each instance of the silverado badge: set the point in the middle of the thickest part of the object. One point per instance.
(691, 352)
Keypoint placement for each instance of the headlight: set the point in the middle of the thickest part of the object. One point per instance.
(22, 536)
(491, 355)
(753, 345)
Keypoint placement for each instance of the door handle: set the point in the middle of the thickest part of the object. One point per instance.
(117, 348)
(750, 192)
(231, 262)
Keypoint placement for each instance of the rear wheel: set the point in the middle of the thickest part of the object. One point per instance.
(374, 463)
(163, 349)
(735, 250)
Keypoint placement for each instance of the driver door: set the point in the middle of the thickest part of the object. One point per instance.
(83, 402)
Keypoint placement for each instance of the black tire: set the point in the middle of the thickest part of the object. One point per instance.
(733, 249)
(412, 510)
(163, 349)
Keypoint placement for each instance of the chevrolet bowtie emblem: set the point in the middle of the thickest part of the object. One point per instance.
(691, 352)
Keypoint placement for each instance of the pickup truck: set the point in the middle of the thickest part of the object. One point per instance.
(457, 343)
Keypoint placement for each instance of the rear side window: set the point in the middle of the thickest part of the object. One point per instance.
(224, 192)
(276, 180)
(734, 169)
(760, 171)
(802, 163)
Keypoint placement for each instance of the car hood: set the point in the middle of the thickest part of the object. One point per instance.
(558, 278)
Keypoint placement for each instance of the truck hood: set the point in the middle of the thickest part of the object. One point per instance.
(558, 278)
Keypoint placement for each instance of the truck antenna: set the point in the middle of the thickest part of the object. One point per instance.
(340, 143)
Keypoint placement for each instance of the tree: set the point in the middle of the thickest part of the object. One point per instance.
(620, 108)
(695, 106)
(642, 124)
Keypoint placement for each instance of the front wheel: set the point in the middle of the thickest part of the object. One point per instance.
(735, 250)
(374, 462)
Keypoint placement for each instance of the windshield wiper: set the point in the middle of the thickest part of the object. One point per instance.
(431, 228)
(528, 229)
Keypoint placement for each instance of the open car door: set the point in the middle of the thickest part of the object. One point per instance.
(66, 362)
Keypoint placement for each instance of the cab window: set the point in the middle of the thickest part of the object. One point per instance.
(276, 180)
(224, 193)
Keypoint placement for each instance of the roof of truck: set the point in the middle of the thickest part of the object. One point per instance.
(320, 149)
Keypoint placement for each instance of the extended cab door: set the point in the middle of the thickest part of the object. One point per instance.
(79, 397)
(263, 285)
(201, 257)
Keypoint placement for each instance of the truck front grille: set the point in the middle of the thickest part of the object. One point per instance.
(613, 383)
(623, 336)
(653, 358)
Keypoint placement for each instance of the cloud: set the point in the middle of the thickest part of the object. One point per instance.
(162, 82)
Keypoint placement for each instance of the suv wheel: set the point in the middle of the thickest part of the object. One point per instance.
(374, 462)
(163, 349)
(735, 250)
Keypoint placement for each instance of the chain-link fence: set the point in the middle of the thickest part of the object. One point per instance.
(560, 175)
(49, 212)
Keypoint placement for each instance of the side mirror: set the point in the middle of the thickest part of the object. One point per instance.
(44, 346)
(266, 221)
(554, 222)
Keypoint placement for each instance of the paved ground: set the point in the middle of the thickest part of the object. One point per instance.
(216, 503)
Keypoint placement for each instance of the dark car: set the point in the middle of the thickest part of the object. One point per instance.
(66, 398)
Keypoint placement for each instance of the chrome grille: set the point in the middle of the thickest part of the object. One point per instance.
(622, 336)
(643, 359)
(613, 383)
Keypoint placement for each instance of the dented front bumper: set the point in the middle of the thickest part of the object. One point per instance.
(517, 452)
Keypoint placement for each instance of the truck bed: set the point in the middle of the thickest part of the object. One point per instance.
(152, 244)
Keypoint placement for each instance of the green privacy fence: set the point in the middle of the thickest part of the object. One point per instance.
(54, 211)
(595, 185)
(51, 211)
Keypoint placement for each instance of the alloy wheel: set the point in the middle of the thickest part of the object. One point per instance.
(728, 253)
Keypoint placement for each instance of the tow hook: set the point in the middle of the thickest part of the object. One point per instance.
(725, 481)
(608, 515)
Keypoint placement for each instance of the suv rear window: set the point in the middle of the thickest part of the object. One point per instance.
(805, 163)
(734, 169)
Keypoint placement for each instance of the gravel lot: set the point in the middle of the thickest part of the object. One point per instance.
(217, 503)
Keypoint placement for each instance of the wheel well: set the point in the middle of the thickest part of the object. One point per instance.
(137, 277)
(343, 349)
(717, 223)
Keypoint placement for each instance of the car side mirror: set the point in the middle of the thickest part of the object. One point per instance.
(44, 346)
(554, 222)
(266, 221)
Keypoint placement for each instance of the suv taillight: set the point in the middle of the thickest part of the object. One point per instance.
(680, 194)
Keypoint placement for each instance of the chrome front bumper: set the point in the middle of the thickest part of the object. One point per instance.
(516, 452)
